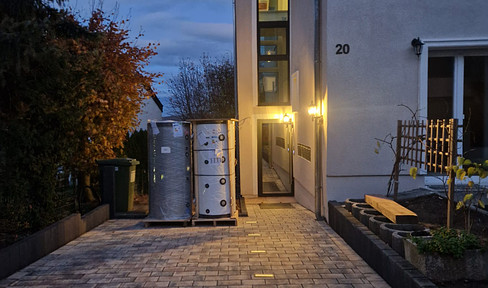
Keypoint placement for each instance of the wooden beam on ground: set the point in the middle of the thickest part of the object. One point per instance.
(392, 210)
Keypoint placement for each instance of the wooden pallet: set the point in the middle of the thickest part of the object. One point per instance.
(166, 223)
(226, 221)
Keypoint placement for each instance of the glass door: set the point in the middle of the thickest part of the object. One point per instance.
(458, 88)
(275, 158)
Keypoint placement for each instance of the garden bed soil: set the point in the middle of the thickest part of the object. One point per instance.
(432, 212)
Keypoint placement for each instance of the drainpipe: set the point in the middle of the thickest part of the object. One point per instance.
(318, 120)
(235, 59)
(238, 170)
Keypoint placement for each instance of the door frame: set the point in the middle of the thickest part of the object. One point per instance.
(260, 123)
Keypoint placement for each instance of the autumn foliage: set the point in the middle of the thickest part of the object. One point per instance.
(112, 88)
(69, 93)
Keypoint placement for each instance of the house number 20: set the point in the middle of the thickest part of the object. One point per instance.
(342, 49)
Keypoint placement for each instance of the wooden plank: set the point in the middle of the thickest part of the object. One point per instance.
(392, 210)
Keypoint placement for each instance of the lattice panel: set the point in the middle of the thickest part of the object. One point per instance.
(410, 141)
(441, 144)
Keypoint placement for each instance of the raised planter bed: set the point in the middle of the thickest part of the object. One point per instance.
(375, 223)
(397, 271)
(472, 266)
(365, 214)
(350, 201)
(358, 207)
(41, 243)
(387, 229)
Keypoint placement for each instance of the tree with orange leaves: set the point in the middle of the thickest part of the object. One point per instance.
(69, 93)
(112, 86)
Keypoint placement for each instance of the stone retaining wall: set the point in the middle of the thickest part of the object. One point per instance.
(39, 244)
(397, 271)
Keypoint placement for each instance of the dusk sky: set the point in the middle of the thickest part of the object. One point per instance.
(184, 28)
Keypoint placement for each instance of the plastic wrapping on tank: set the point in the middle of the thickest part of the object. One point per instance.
(169, 170)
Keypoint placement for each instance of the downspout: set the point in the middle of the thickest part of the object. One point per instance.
(235, 59)
(318, 120)
(238, 170)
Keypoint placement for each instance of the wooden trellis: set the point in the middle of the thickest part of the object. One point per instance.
(441, 145)
(431, 146)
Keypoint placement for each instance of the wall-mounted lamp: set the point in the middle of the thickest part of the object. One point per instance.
(314, 111)
(287, 118)
(417, 45)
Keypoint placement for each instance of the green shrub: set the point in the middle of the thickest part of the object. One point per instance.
(447, 242)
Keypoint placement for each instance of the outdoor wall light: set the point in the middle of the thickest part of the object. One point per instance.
(286, 118)
(417, 45)
(314, 111)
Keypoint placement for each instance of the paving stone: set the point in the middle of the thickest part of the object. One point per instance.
(300, 252)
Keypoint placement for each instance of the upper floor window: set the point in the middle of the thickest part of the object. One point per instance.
(273, 58)
(273, 10)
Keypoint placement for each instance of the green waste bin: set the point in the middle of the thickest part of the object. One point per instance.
(117, 180)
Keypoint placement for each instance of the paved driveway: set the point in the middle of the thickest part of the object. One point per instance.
(270, 248)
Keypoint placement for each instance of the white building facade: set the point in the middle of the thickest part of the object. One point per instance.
(151, 109)
(354, 63)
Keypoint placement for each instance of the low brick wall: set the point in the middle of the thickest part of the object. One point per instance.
(39, 244)
(397, 271)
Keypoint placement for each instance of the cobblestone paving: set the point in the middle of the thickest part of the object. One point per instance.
(286, 246)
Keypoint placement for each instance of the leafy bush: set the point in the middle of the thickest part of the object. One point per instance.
(447, 242)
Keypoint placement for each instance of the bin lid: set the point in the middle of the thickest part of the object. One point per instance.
(118, 162)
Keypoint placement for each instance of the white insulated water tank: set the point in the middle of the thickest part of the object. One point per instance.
(214, 195)
(214, 162)
(213, 134)
(214, 167)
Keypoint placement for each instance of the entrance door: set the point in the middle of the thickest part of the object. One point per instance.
(275, 158)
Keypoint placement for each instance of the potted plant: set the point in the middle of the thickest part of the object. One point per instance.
(448, 255)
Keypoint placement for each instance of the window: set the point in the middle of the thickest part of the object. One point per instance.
(458, 88)
(273, 59)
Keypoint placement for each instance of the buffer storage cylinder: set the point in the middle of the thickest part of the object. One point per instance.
(169, 158)
(214, 161)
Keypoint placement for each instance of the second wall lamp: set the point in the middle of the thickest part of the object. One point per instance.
(417, 45)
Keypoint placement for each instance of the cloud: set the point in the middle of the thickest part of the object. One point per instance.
(218, 32)
(184, 28)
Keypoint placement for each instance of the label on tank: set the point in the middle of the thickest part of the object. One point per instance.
(177, 130)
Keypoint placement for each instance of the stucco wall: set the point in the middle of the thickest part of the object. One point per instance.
(381, 71)
(361, 89)
(302, 60)
(244, 26)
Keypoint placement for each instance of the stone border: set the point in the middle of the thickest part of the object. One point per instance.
(397, 271)
(41, 243)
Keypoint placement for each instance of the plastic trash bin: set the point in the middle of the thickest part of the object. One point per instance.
(117, 180)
